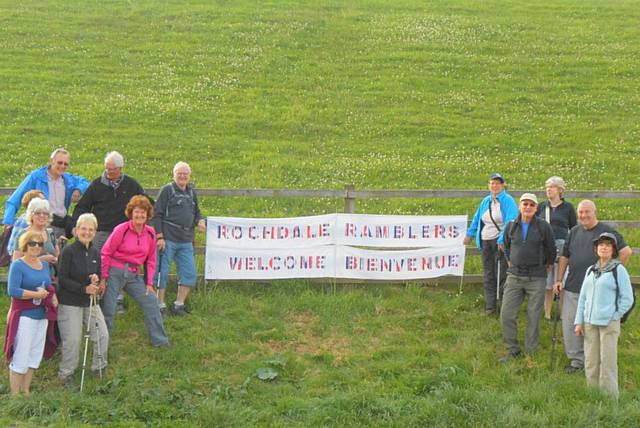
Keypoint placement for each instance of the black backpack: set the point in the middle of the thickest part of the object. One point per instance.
(615, 278)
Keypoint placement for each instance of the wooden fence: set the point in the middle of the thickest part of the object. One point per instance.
(350, 196)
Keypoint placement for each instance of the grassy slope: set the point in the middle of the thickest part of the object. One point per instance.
(301, 95)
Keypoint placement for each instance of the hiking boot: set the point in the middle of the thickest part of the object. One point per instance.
(120, 309)
(179, 311)
(489, 312)
(68, 382)
(163, 312)
(96, 372)
(510, 356)
(573, 369)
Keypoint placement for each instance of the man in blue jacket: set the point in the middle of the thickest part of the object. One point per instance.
(59, 187)
(487, 228)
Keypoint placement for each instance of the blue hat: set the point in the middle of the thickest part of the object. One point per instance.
(496, 176)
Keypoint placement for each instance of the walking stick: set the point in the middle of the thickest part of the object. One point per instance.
(97, 330)
(159, 264)
(86, 342)
(554, 337)
(498, 277)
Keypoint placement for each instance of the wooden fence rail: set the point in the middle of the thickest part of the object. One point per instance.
(350, 195)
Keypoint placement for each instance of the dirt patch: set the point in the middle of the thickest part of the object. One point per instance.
(307, 338)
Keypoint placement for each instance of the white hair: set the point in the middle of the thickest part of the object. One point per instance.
(35, 206)
(557, 182)
(179, 165)
(87, 218)
(58, 151)
(587, 203)
(116, 157)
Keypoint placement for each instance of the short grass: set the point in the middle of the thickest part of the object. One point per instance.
(301, 94)
(345, 356)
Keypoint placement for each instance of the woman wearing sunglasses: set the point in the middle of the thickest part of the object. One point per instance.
(30, 332)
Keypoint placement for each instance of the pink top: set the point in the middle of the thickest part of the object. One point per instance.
(126, 246)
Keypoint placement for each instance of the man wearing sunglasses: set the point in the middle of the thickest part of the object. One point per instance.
(531, 251)
(58, 186)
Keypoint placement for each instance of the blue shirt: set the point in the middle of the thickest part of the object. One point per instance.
(525, 230)
(23, 277)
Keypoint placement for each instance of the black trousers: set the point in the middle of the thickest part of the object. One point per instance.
(491, 256)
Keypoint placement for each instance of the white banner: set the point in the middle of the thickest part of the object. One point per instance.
(322, 247)
(391, 231)
(232, 263)
(357, 263)
(296, 232)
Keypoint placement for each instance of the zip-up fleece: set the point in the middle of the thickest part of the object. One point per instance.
(531, 256)
(597, 301)
(126, 246)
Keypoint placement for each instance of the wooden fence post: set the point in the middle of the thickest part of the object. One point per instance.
(349, 201)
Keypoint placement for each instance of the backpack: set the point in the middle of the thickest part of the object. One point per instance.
(175, 195)
(594, 268)
(5, 257)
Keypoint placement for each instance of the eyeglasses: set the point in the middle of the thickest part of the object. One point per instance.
(41, 213)
(35, 244)
(62, 163)
(528, 204)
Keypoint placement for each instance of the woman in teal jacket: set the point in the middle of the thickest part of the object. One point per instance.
(487, 227)
(602, 303)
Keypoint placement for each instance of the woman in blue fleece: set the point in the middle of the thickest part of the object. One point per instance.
(601, 304)
(487, 227)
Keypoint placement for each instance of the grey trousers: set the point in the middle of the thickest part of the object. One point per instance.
(99, 240)
(491, 256)
(516, 288)
(71, 323)
(133, 284)
(573, 344)
(601, 356)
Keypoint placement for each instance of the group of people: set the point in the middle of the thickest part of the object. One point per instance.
(535, 250)
(124, 241)
(121, 236)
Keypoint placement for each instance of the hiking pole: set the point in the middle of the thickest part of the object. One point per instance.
(554, 336)
(97, 330)
(86, 343)
(159, 270)
(498, 277)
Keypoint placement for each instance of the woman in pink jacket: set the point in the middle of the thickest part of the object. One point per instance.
(129, 263)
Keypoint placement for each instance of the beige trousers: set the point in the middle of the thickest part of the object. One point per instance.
(601, 356)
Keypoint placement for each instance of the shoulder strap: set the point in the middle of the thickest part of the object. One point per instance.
(173, 194)
(491, 216)
(615, 278)
(547, 213)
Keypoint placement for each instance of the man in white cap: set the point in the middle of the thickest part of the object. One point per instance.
(531, 251)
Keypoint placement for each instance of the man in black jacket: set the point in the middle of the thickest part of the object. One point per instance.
(107, 197)
(531, 251)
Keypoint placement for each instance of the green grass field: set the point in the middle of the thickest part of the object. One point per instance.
(321, 95)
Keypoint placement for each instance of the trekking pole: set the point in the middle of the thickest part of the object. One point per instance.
(498, 277)
(86, 343)
(159, 269)
(97, 330)
(554, 337)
